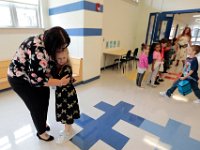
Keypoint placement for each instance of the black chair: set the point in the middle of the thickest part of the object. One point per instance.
(134, 56)
(123, 61)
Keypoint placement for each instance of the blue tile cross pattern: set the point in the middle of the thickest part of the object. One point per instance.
(174, 134)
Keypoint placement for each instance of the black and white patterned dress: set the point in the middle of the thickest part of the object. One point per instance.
(67, 107)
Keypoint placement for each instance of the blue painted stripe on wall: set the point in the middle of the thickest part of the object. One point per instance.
(82, 5)
(84, 32)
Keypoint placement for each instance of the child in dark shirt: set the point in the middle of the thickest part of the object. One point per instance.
(190, 73)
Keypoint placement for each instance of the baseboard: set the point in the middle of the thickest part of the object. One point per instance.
(109, 66)
(90, 80)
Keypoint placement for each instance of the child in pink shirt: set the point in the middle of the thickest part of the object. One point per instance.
(143, 65)
(157, 61)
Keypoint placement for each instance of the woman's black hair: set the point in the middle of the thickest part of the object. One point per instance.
(54, 39)
(143, 46)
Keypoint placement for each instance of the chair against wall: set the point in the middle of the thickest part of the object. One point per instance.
(123, 61)
(134, 56)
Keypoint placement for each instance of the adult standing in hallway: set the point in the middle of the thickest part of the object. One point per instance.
(182, 43)
(29, 74)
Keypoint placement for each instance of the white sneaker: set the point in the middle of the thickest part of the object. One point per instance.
(197, 101)
(62, 139)
(153, 85)
(164, 94)
(65, 136)
(63, 132)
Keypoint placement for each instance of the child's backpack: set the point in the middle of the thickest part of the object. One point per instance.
(184, 87)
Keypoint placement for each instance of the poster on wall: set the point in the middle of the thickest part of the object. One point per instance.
(107, 44)
(118, 43)
(114, 44)
(111, 44)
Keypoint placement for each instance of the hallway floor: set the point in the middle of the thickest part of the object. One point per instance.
(115, 114)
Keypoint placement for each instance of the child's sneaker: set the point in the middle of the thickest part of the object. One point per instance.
(153, 86)
(164, 94)
(160, 80)
(65, 136)
(62, 138)
(197, 101)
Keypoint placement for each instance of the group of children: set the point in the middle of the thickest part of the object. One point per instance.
(152, 57)
(158, 59)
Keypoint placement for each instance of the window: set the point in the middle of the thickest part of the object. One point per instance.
(196, 36)
(5, 15)
(20, 13)
(172, 33)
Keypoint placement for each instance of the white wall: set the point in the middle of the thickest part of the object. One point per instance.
(92, 45)
(10, 39)
(69, 20)
(91, 60)
(86, 47)
(120, 20)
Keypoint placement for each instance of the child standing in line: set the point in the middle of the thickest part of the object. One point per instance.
(190, 73)
(143, 65)
(165, 54)
(157, 60)
(67, 107)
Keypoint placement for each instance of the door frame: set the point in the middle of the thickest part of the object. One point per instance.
(165, 12)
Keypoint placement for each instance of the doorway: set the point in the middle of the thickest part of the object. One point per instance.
(171, 23)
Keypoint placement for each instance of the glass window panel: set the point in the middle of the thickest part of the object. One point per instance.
(24, 1)
(163, 30)
(198, 39)
(172, 32)
(5, 16)
(198, 33)
(27, 17)
(14, 14)
(193, 39)
(194, 32)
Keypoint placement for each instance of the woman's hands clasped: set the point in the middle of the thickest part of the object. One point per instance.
(65, 80)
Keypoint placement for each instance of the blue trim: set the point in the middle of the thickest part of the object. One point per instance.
(6, 89)
(82, 5)
(182, 11)
(86, 81)
(90, 80)
(84, 32)
(78, 83)
(151, 15)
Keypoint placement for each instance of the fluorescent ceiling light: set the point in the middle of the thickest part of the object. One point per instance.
(196, 16)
